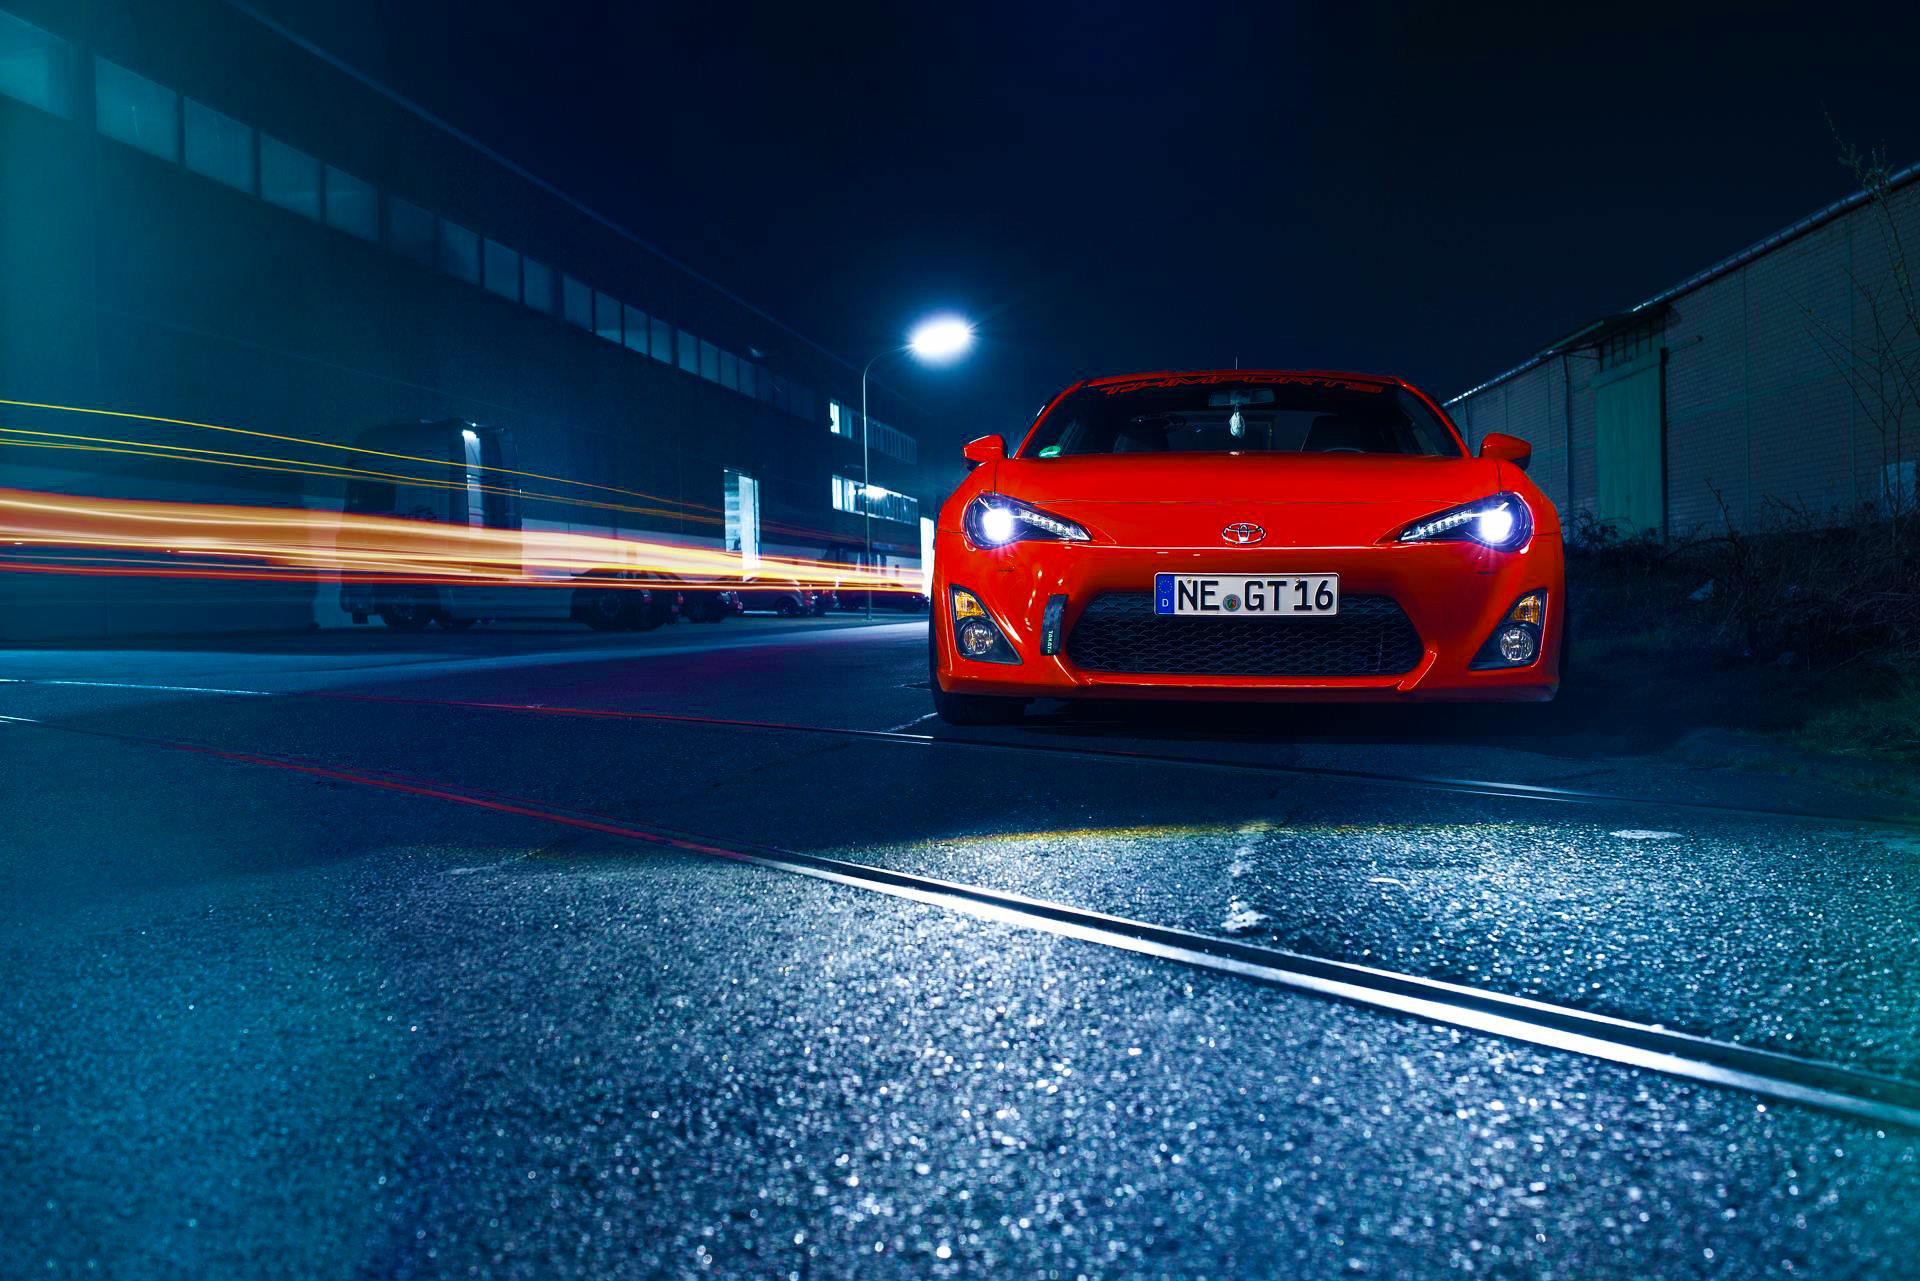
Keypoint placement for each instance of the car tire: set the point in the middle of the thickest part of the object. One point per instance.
(455, 624)
(967, 709)
(407, 616)
(604, 609)
(787, 609)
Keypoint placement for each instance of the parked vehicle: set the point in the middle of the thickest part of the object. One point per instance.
(788, 600)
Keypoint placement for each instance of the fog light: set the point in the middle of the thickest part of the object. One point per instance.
(976, 638)
(1517, 644)
(1530, 608)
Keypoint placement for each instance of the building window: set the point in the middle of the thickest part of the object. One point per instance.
(803, 403)
(577, 302)
(887, 505)
(636, 325)
(749, 379)
(742, 516)
(459, 252)
(353, 206)
(782, 394)
(289, 178)
(689, 353)
(606, 317)
(134, 110)
(409, 230)
(662, 341)
(895, 444)
(502, 270)
(35, 67)
(219, 147)
(536, 283)
(729, 371)
(839, 419)
(709, 361)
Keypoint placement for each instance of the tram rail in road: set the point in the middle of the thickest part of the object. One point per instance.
(1869, 1097)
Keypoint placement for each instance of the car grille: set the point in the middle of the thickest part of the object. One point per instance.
(1119, 632)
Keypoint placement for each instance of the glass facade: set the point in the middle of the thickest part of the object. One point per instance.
(353, 205)
(35, 67)
(289, 178)
(219, 147)
(132, 109)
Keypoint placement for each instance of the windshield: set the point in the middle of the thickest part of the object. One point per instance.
(1271, 413)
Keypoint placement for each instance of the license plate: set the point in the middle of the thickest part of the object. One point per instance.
(1245, 596)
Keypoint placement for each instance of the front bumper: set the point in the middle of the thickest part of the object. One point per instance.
(1454, 594)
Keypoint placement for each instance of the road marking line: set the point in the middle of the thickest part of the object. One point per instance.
(1828, 1086)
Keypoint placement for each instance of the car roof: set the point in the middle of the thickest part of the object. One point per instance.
(1242, 373)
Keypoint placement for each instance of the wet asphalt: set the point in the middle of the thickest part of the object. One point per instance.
(265, 1023)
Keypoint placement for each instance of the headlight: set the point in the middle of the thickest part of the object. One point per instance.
(1501, 522)
(994, 520)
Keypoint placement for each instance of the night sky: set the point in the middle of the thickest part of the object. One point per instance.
(1397, 188)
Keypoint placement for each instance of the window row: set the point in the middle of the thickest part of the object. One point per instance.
(38, 68)
(886, 504)
(843, 421)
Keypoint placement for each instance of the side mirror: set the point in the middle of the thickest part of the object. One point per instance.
(987, 449)
(1508, 449)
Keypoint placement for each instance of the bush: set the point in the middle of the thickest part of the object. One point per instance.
(1795, 583)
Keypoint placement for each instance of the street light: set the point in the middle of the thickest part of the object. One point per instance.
(937, 340)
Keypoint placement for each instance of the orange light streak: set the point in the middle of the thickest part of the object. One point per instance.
(274, 543)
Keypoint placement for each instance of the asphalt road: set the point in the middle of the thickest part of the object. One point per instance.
(358, 955)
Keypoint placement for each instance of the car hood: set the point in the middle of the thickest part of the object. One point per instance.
(1303, 500)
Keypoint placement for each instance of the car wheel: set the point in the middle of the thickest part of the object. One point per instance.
(967, 709)
(603, 609)
(787, 609)
(406, 616)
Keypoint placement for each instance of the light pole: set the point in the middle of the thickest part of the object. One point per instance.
(936, 341)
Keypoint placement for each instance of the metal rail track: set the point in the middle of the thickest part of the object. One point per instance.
(1379, 778)
(1878, 1100)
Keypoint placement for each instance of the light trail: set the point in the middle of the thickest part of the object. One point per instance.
(651, 504)
(179, 539)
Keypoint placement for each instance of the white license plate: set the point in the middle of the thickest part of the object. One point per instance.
(1246, 596)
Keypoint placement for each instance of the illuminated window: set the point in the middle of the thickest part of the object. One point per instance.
(459, 251)
(662, 348)
(839, 419)
(134, 110)
(289, 178)
(887, 505)
(219, 147)
(637, 329)
(353, 206)
(577, 302)
(35, 67)
(409, 230)
(536, 284)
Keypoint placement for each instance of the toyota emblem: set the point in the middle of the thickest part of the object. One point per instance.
(1242, 533)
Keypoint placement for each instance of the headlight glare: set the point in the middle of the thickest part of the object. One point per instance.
(1501, 522)
(994, 520)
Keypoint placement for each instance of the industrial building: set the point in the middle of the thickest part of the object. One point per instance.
(1767, 380)
(205, 218)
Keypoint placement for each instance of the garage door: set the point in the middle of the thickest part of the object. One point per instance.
(1630, 482)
